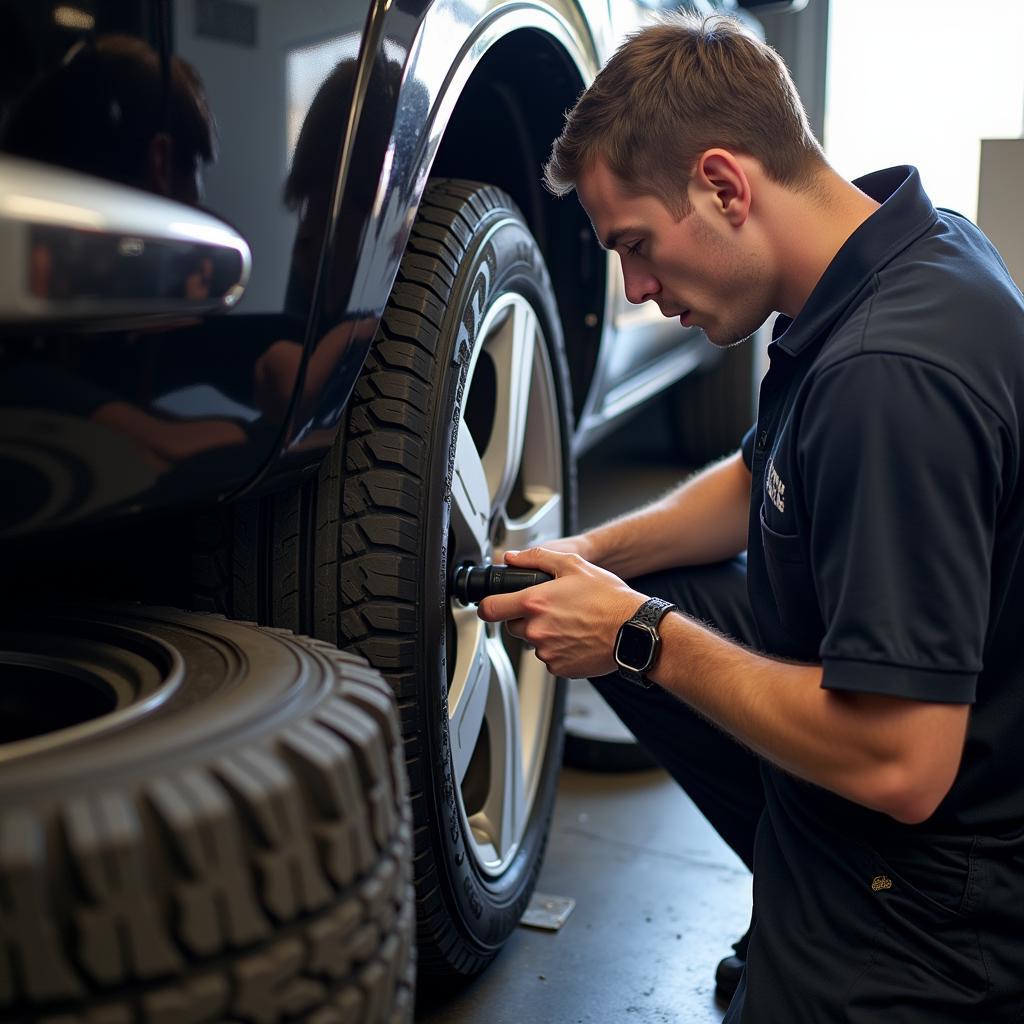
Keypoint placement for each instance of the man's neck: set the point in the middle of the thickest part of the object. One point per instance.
(808, 229)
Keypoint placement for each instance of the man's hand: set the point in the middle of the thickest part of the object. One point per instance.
(570, 622)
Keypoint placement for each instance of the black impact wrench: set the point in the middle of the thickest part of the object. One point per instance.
(473, 583)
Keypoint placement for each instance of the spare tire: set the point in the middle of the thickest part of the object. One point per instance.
(200, 820)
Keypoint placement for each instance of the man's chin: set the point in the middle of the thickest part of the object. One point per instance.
(725, 338)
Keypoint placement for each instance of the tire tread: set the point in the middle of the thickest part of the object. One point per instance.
(235, 888)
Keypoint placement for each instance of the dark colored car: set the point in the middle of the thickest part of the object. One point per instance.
(287, 318)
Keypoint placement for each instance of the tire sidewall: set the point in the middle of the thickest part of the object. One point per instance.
(502, 258)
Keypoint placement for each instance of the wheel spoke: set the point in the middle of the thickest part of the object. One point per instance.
(511, 346)
(536, 697)
(503, 814)
(471, 502)
(542, 522)
(471, 683)
(507, 492)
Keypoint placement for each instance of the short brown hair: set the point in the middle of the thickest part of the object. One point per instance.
(674, 90)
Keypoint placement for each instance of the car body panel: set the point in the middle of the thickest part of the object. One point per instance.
(417, 99)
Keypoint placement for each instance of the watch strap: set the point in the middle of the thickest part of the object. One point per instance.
(652, 611)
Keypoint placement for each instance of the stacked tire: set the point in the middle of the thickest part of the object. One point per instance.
(200, 821)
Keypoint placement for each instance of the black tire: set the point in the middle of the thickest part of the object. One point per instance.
(364, 555)
(711, 410)
(217, 831)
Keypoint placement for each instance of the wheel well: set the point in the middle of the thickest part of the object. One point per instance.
(501, 132)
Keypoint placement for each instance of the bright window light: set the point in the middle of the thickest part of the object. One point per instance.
(306, 69)
(922, 82)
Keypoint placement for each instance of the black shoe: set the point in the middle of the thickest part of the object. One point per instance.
(727, 977)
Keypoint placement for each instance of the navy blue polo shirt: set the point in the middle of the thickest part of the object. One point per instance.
(887, 516)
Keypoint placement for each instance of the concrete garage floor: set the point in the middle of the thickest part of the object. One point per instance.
(659, 897)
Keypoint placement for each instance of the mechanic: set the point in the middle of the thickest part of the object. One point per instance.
(865, 651)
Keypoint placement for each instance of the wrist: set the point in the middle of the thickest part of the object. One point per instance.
(592, 548)
(589, 548)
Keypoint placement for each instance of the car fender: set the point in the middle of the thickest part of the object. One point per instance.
(413, 63)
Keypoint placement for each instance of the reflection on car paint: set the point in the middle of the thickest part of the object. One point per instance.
(193, 403)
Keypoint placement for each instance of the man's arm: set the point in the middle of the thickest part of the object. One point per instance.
(703, 520)
(891, 754)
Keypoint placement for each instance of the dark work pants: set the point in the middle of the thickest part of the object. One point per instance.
(721, 777)
(849, 925)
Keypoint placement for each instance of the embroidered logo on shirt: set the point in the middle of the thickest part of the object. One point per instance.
(880, 882)
(776, 488)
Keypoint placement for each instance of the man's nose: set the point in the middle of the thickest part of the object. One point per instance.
(639, 286)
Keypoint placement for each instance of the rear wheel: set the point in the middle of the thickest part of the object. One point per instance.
(455, 444)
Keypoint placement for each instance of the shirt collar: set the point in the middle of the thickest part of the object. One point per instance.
(905, 214)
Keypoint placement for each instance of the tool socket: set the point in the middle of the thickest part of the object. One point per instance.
(473, 583)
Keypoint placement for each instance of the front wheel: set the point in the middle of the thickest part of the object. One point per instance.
(457, 444)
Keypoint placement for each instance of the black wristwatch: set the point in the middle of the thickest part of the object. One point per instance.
(636, 646)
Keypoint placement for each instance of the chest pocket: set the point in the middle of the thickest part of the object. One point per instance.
(792, 587)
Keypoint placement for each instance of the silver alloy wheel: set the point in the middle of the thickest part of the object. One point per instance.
(506, 494)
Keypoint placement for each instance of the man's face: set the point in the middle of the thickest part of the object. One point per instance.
(700, 269)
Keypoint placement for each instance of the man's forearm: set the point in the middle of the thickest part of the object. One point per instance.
(853, 744)
(704, 520)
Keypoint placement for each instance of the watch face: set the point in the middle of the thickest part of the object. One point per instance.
(635, 647)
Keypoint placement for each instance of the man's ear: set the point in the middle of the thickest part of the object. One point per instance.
(722, 179)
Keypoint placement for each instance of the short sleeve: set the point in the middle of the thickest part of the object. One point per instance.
(900, 465)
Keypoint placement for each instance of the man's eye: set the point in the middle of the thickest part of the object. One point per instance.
(634, 249)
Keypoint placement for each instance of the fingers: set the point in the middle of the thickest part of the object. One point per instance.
(516, 628)
(501, 607)
(558, 563)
